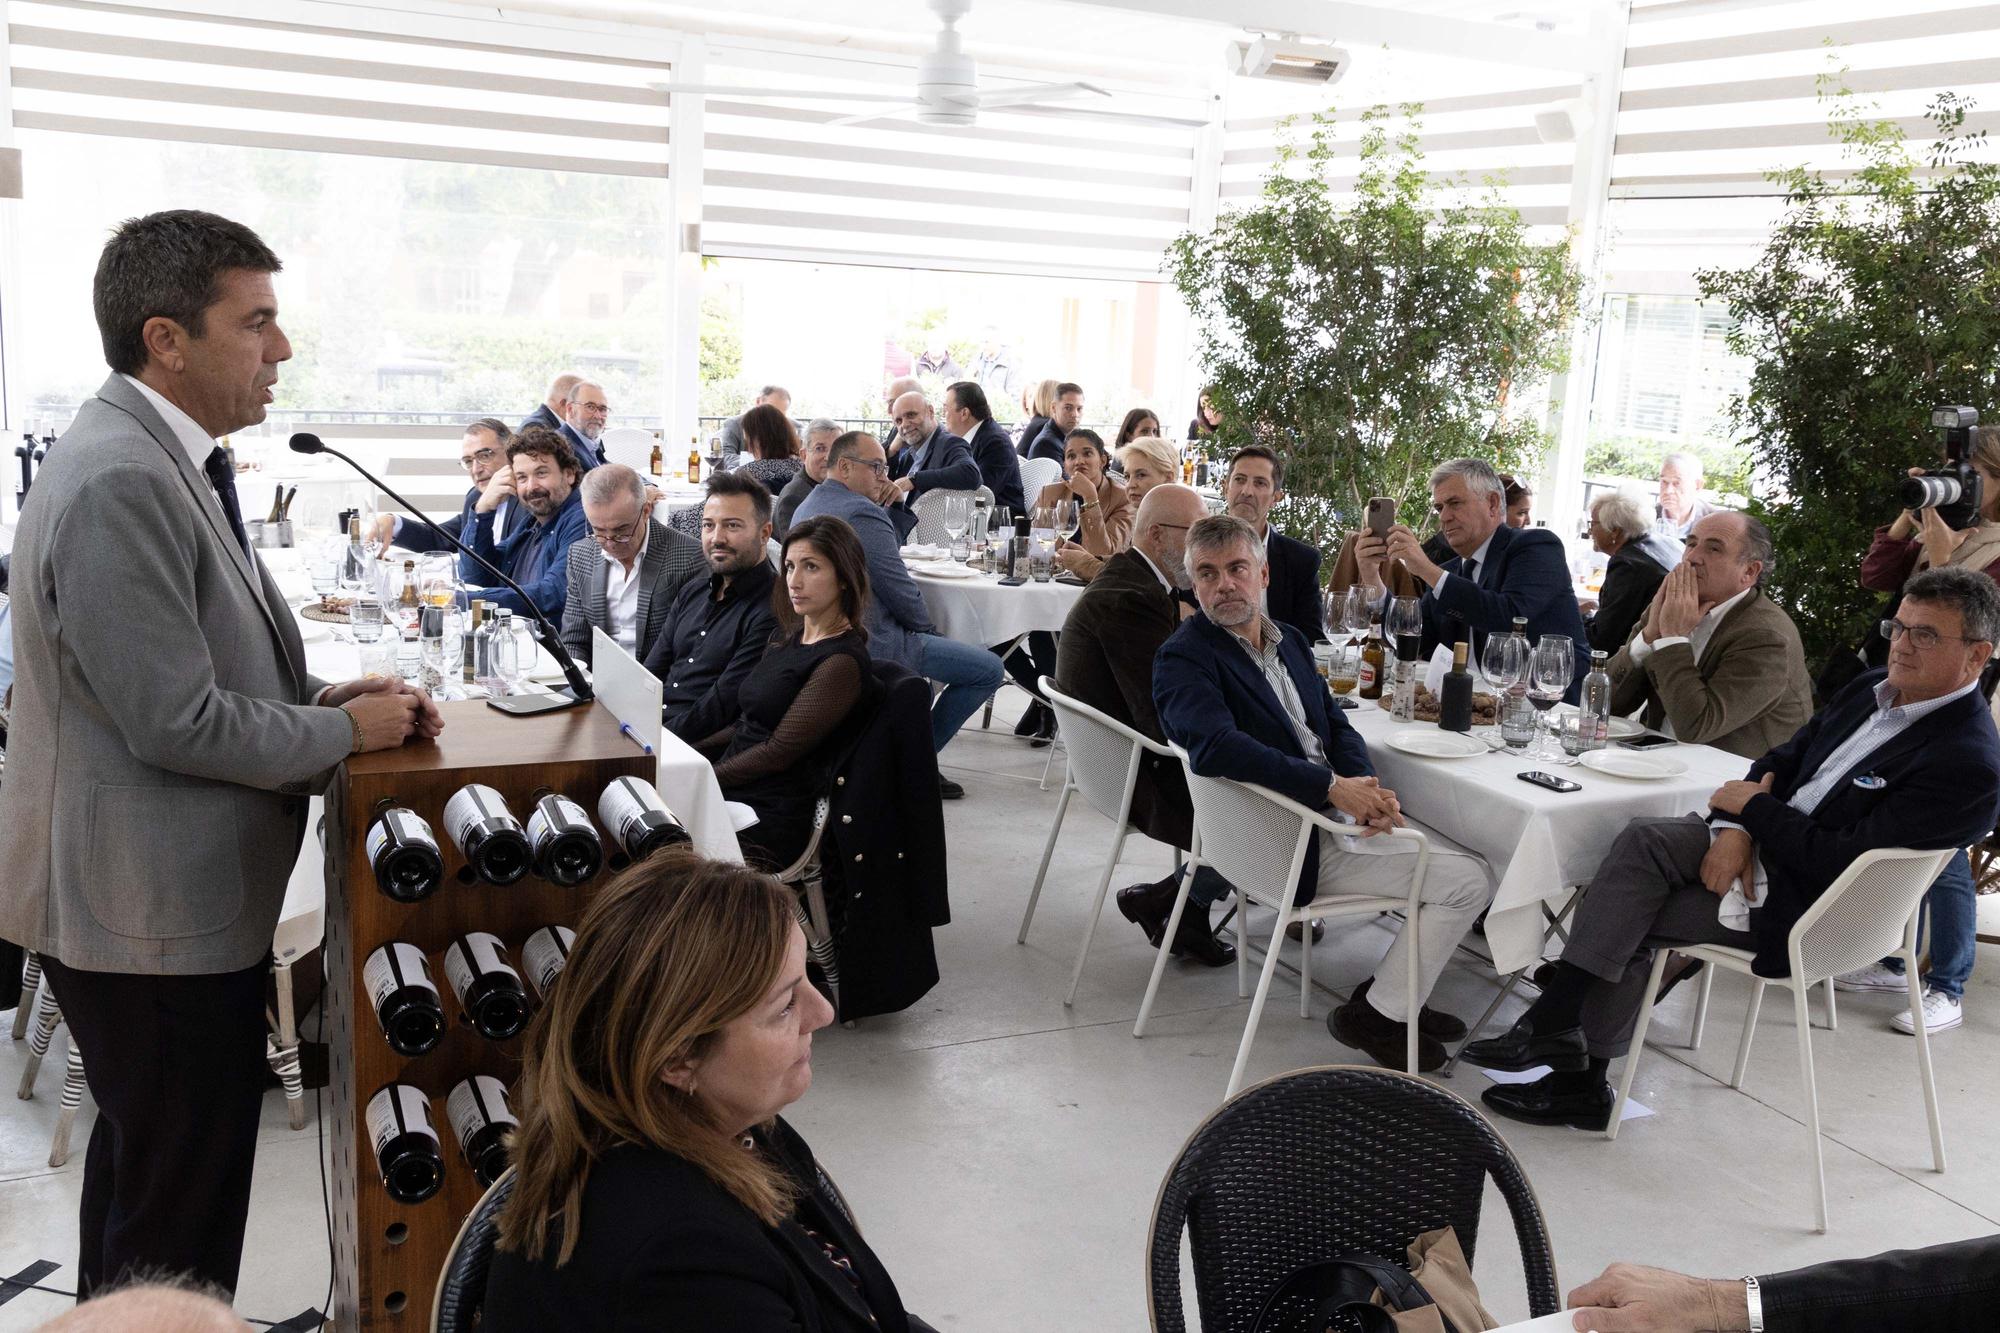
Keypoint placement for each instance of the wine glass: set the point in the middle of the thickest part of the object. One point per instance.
(1065, 517)
(1505, 667)
(437, 579)
(1405, 623)
(1551, 668)
(1356, 611)
(957, 517)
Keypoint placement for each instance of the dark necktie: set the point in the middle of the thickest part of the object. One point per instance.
(1472, 572)
(222, 476)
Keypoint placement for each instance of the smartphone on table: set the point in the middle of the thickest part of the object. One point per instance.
(1550, 781)
(1649, 742)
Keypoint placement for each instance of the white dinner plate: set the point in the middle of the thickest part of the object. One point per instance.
(1627, 764)
(1431, 744)
(925, 553)
(312, 631)
(930, 571)
(1622, 728)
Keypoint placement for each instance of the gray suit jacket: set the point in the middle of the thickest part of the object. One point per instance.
(672, 558)
(163, 745)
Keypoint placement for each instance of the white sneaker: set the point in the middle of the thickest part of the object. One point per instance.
(1941, 1014)
(1874, 977)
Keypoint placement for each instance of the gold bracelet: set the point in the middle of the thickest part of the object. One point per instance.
(355, 723)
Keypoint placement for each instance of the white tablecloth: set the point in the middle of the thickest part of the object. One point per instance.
(1539, 842)
(980, 612)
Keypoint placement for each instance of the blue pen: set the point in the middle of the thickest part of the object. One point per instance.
(626, 727)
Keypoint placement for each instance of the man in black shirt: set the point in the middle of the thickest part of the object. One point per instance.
(719, 626)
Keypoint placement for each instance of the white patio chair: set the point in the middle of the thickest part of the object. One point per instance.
(1257, 840)
(929, 509)
(1104, 759)
(1869, 913)
(1035, 474)
(628, 445)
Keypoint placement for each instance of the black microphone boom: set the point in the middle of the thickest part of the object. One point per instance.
(579, 688)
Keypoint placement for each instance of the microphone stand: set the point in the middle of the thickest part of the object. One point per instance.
(579, 688)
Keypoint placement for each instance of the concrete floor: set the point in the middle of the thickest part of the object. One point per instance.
(1003, 1151)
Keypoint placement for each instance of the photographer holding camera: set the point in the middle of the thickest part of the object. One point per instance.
(1959, 526)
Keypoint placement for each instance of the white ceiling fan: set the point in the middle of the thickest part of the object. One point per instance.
(948, 91)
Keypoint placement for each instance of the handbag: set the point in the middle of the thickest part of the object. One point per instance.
(1436, 1294)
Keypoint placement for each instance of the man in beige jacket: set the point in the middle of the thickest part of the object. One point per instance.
(1715, 662)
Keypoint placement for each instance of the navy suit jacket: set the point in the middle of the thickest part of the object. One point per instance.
(541, 416)
(999, 465)
(534, 555)
(1294, 590)
(1526, 573)
(1049, 443)
(947, 466)
(587, 455)
(1938, 785)
(413, 535)
(1214, 703)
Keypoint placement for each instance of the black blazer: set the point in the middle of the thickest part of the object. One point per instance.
(1104, 658)
(1938, 1287)
(885, 823)
(665, 1249)
(1934, 785)
(1049, 442)
(541, 416)
(1031, 428)
(1294, 588)
(1526, 573)
(1215, 703)
(1631, 577)
(999, 465)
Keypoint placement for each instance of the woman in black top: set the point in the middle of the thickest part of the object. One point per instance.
(1207, 420)
(772, 443)
(804, 698)
(657, 1189)
(1621, 527)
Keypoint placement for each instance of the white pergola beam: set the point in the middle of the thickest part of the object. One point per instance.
(1359, 25)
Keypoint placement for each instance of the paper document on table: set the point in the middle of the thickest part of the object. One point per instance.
(1633, 1110)
(626, 689)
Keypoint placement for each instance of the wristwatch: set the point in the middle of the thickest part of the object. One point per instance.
(1754, 1294)
(1084, 505)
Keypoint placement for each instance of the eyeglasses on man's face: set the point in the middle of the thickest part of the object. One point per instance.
(614, 536)
(1922, 637)
(479, 458)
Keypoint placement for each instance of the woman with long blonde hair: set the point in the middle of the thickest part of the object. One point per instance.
(656, 1185)
(1041, 404)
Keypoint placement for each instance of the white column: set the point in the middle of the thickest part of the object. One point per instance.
(1204, 206)
(13, 392)
(1590, 187)
(684, 185)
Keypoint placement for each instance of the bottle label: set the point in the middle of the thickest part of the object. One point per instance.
(624, 806)
(545, 954)
(1367, 674)
(406, 827)
(470, 805)
(397, 1110)
(393, 967)
(471, 957)
(475, 1104)
(541, 827)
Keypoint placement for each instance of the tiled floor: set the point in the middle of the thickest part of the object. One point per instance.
(1004, 1151)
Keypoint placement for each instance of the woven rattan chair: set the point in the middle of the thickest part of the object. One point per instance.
(461, 1288)
(1870, 912)
(1320, 1163)
(929, 509)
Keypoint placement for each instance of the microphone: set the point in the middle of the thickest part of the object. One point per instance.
(579, 688)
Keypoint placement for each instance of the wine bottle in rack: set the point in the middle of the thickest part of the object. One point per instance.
(406, 1000)
(407, 1150)
(487, 986)
(490, 839)
(544, 954)
(480, 1118)
(564, 843)
(404, 854)
(638, 819)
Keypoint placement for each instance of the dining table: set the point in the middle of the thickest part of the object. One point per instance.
(1540, 844)
(974, 607)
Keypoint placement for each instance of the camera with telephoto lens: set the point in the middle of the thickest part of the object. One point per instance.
(1952, 490)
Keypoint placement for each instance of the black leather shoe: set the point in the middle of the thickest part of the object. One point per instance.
(1143, 906)
(1030, 722)
(1520, 1047)
(1045, 729)
(1385, 1041)
(1538, 1104)
(1294, 932)
(1195, 938)
(949, 790)
(1431, 1022)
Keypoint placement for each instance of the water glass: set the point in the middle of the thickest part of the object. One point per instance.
(365, 617)
(1576, 732)
(1041, 559)
(957, 518)
(1344, 670)
(1518, 721)
(378, 657)
(410, 658)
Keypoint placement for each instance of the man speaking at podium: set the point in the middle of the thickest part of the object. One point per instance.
(166, 735)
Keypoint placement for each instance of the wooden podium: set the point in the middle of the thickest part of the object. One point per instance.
(387, 1255)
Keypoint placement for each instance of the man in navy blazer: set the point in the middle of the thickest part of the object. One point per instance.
(584, 415)
(968, 415)
(1252, 487)
(1903, 757)
(1064, 417)
(1240, 694)
(928, 458)
(548, 412)
(481, 453)
(1498, 573)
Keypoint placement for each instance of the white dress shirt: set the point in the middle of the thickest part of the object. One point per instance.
(1478, 563)
(621, 597)
(197, 443)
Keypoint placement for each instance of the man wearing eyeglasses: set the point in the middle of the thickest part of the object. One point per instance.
(1715, 661)
(584, 415)
(1903, 757)
(624, 576)
(482, 453)
(899, 624)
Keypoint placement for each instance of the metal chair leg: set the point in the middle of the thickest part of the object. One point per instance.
(47, 1016)
(1638, 1046)
(72, 1097)
(1048, 850)
(1166, 948)
(284, 1053)
(1257, 1003)
(1757, 985)
(1701, 1008)
(1924, 1064)
(1802, 1009)
(31, 981)
(1096, 911)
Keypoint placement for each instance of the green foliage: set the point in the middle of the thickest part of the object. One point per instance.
(1725, 469)
(1875, 300)
(1371, 336)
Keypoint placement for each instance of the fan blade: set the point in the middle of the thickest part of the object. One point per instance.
(1061, 112)
(867, 117)
(1038, 92)
(776, 94)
